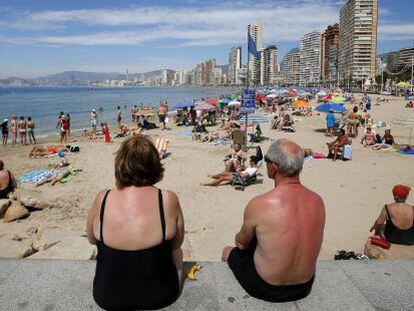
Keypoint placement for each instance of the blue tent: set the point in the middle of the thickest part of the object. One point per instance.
(180, 105)
(331, 106)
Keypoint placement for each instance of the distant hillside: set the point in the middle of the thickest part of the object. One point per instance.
(14, 81)
(81, 76)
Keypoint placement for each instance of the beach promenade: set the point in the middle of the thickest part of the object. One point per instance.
(67, 285)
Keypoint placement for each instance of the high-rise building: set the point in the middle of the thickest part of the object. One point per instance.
(358, 39)
(254, 46)
(204, 73)
(329, 53)
(405, 56)
(392, 61)
(164, 76)
(310, 57)
(291, 66)
(268, 65)
(235, 64)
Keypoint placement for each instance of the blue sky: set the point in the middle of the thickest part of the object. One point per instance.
(41, 37)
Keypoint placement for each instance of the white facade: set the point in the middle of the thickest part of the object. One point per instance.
(291, 67)
(310, 57)
(164, 77)
(269, 66)
(235, 64)
(358, 39)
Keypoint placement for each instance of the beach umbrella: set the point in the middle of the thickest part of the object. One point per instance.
(301, 103)
(321, 93)
(272, 96)
(212, 101)
(403, 84)
(225, 100)
(203, 106)
(330, 106)
(180, 105)
(234, 103)
(338, 99)
(260, 97)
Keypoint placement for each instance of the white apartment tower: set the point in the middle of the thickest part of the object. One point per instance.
(358, 39)
(269, 67)
(235, 65)
(310, 57)
(254, 46)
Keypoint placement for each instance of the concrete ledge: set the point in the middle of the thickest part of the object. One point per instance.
(340, 285)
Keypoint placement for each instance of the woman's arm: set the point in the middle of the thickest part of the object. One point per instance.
(379, 224)
(14, 183)
(93, 211)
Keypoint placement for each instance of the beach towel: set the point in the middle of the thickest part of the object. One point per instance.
(73, 173)
(35, 176)
(184, 133)
(318, 156)
(406, 152)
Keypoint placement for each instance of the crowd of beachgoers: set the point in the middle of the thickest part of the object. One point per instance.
(282, 233)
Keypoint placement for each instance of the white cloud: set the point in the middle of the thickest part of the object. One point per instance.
(396, 31)
(208, 25)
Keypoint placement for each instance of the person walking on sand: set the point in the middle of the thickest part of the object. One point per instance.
(93, 119)
(14, 130)
(119, 116)
(31, 127)
(162, 115)
(282, 232)
(59, 120)
(22, 131)
(64, 129)
(5, 131)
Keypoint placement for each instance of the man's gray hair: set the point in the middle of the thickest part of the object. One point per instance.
(289, 160)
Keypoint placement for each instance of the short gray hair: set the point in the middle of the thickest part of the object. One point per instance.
(289, 160)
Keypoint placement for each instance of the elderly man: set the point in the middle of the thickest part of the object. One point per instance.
(282, 232)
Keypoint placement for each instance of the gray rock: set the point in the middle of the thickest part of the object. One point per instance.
(76, 248)
(49, 236)
(4, 205)
(15, 211)
(15, 249)
(32, 198)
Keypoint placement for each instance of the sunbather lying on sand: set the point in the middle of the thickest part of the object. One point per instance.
(40, 151)
(227, 176)
(62, 163)
(56, 177)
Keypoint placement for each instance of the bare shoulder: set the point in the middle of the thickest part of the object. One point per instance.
(171, 199)
(263, 201)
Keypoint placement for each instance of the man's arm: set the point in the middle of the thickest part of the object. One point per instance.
(246, 233)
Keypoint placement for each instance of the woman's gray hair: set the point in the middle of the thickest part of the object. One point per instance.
(289, 160)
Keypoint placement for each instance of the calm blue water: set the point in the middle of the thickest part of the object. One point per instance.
(44, 104)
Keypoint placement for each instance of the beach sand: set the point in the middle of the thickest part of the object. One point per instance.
(354, 191)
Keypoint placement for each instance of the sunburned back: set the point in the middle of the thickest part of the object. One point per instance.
(289, 235)
(132, 219)
(402, 215)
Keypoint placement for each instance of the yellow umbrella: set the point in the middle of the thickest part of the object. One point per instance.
(403, 84)
(338, 99)
(301, 103)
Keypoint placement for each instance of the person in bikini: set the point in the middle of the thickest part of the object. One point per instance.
(369, 138)
(228, 176)
(282, 232)
(13, 128)
(31, 126)
(22, 131)
(337, 145)
(40, 151)
(5, 131)
(7, 182)
(235, 159)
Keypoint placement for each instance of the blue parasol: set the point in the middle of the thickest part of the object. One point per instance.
(331, 106)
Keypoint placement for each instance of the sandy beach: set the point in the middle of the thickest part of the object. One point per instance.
(354, 191)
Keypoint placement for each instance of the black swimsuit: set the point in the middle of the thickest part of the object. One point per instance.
(396, 235)
(4, 193)
(139, 279)
(244, 269)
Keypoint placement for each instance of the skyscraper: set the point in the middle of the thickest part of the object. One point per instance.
(358, 39)
(290, 67)
(235, 64)
(254, 46)
(310, 57)
(329, 57)
(268, 65)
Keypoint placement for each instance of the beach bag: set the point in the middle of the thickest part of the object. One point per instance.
(378, 241)
(347, 153)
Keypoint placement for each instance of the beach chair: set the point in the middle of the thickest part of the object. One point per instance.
(161, 144)
(346, 152)
(240, 183)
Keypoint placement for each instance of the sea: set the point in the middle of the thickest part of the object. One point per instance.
(43, 104)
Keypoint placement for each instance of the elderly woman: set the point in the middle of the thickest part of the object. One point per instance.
(139, 230)
(396, 220)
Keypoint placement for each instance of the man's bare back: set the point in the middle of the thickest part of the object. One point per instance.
(289, 228)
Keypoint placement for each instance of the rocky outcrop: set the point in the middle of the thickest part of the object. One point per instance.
(47, 237)
(32, 198)
(15, 249)
(4, 205)
(77, 248)
(15, 211)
